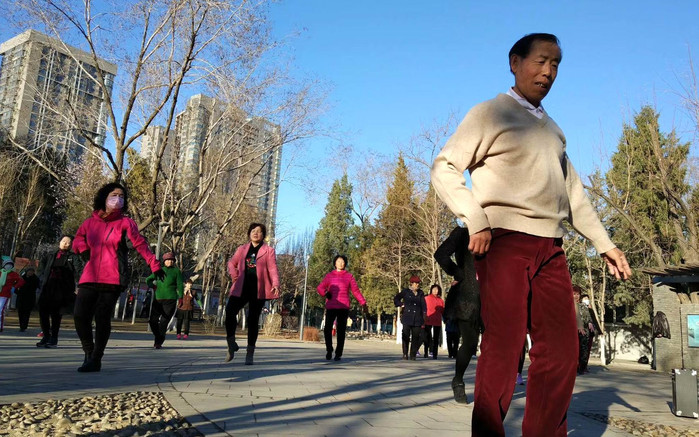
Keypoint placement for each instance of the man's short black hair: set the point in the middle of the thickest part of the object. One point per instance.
(344, 258)
(522, 47)
(583, 296)
(261, 226)
(100, 202)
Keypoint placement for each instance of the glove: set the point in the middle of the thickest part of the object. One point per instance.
(159, 274)
(179, 303)
(328, 295)
(85, 255)
(365, 310)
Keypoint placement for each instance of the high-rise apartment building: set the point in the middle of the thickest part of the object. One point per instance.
(49, 95)
(152, 139)
(252, 140)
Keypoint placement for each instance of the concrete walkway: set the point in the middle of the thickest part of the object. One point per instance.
(292, 390)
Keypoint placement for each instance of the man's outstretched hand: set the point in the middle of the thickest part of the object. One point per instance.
(617, 264)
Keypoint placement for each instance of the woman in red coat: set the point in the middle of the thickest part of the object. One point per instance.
(433, 322)
(253, 269)
(9, 280)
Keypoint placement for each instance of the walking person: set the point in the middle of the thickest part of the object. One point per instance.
(185, 307)
(587, 330)
(335, 288)
(523, 188)
(102, 241)
(412, 300)
(463, 303)
(26, 297)
(60, 271)
(253, 270)
(168, 290)
(9, 282)
(433, 321)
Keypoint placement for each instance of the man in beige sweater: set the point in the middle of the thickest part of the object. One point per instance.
(523, 188)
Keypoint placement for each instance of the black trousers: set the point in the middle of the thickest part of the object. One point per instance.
(25, 304)
(416, 333)
(183, 318)
(432, 336)
(453, 343)
(469, 331)
(97, 302)
(331, 315)
(160, 316)
(50, 318)
(233, 307)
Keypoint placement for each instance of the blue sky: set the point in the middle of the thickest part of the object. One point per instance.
(395, 66)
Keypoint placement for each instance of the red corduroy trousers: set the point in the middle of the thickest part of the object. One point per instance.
(525, 281)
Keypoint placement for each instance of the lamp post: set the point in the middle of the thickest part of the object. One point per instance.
(14, 237)
(303, 305)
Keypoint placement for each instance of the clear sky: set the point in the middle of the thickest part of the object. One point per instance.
(395, 66)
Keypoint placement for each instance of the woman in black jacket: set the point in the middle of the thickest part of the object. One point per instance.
(60, 271)
(463, 303)
(414, 312)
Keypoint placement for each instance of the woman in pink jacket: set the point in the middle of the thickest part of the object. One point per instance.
(336, 287)
(102, 241)
(253, 269)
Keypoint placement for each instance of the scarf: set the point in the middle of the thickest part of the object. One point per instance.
(3, 277)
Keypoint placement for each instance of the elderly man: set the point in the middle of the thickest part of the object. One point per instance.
(523, 188)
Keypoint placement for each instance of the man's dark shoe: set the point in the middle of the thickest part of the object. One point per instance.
(412, 357)
(44, 340)
(329, 355)
(248, 357)
(338, 357)
(53, 344)
(405, 356)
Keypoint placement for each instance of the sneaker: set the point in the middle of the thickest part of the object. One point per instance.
(184, 337)
(43, 342)
(405, 357)
(179, 337)
(520, 381)
(40, 335)
(52, 345)
(418, 354)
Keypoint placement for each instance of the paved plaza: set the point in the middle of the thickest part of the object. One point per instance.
(292, 390)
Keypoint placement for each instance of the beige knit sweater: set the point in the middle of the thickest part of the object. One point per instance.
(521, 176)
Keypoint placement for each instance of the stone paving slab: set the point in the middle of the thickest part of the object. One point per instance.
(292, 390)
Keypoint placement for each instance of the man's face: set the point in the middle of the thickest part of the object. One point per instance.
(535, 74)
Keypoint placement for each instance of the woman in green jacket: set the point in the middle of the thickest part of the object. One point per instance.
(167, 292)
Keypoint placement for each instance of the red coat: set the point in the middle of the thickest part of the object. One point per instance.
(267, 274)
(435, 308)
(13, 280)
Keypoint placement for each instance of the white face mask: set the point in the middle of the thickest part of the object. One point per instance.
(586, 301)
(115, 202)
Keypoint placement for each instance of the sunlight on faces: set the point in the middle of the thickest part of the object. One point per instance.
(535, 74)
(64, 244)
(256, 235)
(340, 264)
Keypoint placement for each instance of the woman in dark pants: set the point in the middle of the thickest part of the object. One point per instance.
(463, 303)
(102, 242)
(60, 272)
(253, 269)
(26, 297)
(336, 287)
(413, 318)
